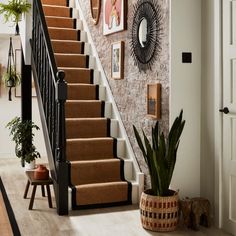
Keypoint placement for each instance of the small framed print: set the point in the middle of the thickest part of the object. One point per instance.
(117, 60)
(154, 101)
(115, 16)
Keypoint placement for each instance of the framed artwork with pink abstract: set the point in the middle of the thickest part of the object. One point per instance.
(114, 16)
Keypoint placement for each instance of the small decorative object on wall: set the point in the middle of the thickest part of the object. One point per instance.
(13, 10)
(95, 6)
(114, 16)
(11, 78)
(159, 206)
(117, 60)
(154, 100)
(146, 33)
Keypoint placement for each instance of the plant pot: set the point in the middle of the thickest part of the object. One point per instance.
(10, 83)
(41, 173)
(159, 213)
(30, 166)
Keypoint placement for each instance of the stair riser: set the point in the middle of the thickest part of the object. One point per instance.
(83, 92)
(80, 61)
(85, 109)
(55, 2)
(96, 172)
(80, 150)
(61, 23)
(64, 34)
(78, 76)
(101, 194)
(57, 11)
(87, 129)
(68, 47)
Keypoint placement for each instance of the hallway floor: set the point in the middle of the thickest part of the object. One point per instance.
(118, 221)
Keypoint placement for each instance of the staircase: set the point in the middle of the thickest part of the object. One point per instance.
(101, 171)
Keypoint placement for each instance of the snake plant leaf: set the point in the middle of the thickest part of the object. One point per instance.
(140, 143)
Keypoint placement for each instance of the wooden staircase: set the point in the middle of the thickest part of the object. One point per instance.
(97, 173)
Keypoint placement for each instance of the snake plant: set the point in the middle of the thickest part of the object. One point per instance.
(160, 156)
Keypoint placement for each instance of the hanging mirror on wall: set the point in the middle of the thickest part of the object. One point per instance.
(95, 6)
(146, 33)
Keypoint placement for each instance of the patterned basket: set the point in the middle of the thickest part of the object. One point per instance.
(159, 213)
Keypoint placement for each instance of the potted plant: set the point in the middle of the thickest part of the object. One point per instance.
(23, 136)
(159, 205)
(13, 11)
(11, 78)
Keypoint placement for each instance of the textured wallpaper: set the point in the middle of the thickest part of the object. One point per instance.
(130, 93)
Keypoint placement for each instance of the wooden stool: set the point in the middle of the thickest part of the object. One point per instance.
(35, 183)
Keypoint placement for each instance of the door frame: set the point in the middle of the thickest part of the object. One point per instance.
(218, 123)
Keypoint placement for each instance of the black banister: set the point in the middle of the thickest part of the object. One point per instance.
(51, 91)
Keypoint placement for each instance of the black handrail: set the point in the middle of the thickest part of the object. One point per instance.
(52, 94)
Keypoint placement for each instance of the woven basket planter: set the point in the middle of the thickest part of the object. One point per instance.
(159, 213)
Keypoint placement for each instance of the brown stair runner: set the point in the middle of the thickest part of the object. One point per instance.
(96, 174)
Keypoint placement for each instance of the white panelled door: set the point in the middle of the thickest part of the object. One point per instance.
(229, 116)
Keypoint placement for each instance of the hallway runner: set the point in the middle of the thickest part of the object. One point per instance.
(8, 225)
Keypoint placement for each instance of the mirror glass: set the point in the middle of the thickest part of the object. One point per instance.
(142, 32)
(95, 6)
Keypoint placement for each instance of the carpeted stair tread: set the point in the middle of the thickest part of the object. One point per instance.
(72, 60)
(87, 128)
(84, 109)
(83, 91)
(102, 193)
(80, 149)
(63, 33)
(55, 2)
(60, 11)
(78, 75)
(60, 22)
(68, 46)
(95, 171)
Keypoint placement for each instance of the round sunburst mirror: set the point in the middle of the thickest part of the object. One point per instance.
(146, 33)
(95, 6)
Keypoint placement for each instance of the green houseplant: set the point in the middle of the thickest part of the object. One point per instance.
(160, 157)
(23, 136)
(11, 78)
(13, 11)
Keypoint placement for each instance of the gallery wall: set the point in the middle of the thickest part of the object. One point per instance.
(130, 93)
(10, 109)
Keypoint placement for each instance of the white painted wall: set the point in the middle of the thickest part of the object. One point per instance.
(185, 87)
(9, 110)
(6, 28)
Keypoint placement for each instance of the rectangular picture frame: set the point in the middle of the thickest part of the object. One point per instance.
(117, 60)
(154, 101)
(114, 16)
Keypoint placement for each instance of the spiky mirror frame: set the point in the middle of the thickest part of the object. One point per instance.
(144, 57)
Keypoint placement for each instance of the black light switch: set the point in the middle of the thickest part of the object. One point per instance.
(187, 57)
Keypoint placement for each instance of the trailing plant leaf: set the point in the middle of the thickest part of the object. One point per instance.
(161, 156)
(22, 132)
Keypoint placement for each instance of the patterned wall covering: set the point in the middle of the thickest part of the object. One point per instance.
(130, 93)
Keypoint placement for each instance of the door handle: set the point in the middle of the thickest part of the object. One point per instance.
(225, 110)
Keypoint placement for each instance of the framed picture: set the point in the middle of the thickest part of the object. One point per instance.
(114, 16)
(18, 70)
(117, 60)
(154, 101)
